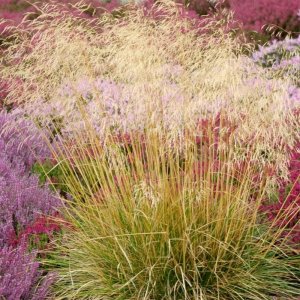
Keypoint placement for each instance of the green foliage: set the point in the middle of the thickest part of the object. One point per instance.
(53, 172)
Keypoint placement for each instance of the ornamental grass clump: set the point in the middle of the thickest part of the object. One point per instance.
(149, 219)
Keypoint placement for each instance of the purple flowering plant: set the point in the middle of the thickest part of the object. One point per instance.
(276, 52)
(24, 204)
(20, 277)
(282, 58)
(22, 198)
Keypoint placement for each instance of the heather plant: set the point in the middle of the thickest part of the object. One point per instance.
(259, 19)
(22, 198)
(20, 277)
(21, 143)
(256, 15)
(65, 66)
(24, 204)
(283, 208)
(265, 17)
(150, 220)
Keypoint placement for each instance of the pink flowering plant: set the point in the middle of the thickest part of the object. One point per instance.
(258, 14)
(260, 20)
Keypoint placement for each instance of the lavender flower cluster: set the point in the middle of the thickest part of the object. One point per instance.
(22, 201)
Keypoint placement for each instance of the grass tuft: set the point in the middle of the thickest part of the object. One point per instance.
(150, 221)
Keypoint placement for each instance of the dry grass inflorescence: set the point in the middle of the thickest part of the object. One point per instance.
(145, 66)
